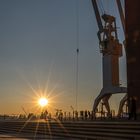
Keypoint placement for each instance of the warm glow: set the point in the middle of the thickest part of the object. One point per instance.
(43, 102)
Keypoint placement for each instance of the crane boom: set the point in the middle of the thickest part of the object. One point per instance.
(97, 14)
(121, 14)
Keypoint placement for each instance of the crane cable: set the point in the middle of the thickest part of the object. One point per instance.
(77, 55)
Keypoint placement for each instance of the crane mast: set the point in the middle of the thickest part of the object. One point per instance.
(111, 50)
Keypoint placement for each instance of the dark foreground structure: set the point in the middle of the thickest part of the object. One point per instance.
(132, 15)
(95, 130)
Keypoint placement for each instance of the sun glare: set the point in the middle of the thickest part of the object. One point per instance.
(43, 102)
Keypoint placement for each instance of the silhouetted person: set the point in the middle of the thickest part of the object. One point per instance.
(61, 115)
(86, 114)
(73, 115)
(46, 114)
(65, 116)
(82, 115)
(92, 115)
(49, 116)
(89, 115)
(76, 115)
(132, 114)
(69, 116)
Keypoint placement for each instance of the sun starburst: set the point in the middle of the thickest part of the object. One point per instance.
(43, 101)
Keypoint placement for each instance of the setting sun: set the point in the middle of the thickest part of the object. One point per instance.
(43, 102)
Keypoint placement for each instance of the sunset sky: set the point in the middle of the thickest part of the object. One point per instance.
(38, 41)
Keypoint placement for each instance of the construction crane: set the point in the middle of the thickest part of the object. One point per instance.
(111, 51)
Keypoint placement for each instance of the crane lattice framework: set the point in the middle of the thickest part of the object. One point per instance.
(111, 51)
